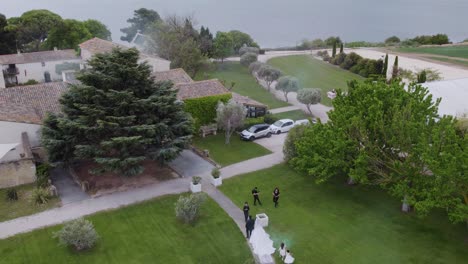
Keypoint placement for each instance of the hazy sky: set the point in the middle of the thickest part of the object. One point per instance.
(274, 23)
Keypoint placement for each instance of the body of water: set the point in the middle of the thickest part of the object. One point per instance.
(275, 23)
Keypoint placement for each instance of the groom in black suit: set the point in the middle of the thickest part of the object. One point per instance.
(249, 226)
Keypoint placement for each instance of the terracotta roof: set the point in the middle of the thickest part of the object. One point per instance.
(246, 100)
(29, 104)
(97, 45)
(41, 56)
(200, 89)
(175, 75)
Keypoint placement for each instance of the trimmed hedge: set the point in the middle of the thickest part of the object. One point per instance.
(203, 109)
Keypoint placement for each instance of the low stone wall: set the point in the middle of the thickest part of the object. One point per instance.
(17, 172)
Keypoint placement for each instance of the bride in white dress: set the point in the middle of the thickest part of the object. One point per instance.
(262, 244)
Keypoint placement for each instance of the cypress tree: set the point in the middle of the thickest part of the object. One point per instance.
(334, 50)
(341, 48)
(385, 66)
(118, 117)
(395, 70)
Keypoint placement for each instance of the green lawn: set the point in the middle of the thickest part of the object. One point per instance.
(294, 115)
(313, 73)
(237, 151)
(143, 233)
(455, 51)
(24, 205)
(245, 82)
(336, 223)
(454, 61)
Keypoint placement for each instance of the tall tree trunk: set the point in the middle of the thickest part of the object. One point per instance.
(308, 108)
(286, 96)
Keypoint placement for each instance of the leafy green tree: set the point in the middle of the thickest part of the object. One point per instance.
(223, 45)
(309, 96)
(175, 39)
(118, 117)
(240, 39)
(140, 22)
(390, 136)
(97, 29)
(230, 116)
(392, 40)
(33, 27)
(334, 50)
(7, 38)
(331, 41)
(395, 70)
(206, 42)
(268, 74)
(287, 84)
(247, 58)
(67, 35)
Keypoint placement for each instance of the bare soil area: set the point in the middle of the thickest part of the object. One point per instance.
(106, 183)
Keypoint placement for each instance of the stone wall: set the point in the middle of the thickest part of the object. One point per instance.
(17, 173)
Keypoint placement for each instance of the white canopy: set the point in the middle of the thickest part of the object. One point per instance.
(5, 148)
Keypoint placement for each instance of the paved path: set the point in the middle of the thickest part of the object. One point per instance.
(284, 109)
(189, 164)
(68, 190)
(90, 206)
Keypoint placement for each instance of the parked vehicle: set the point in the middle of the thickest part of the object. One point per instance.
(302, 122)
(256, 131)
(282, 125)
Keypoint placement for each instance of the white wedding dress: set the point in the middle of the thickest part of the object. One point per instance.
(262, 244)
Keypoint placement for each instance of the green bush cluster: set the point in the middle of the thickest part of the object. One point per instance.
(356, 64)
(203, 109)
(187, 208)
(41, 195)
(11, 194)
(43, 175)
(79, 234)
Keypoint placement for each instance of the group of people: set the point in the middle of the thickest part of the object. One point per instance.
(285, 254)
(256, 196)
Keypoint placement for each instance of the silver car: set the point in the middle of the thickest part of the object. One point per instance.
(256, 131)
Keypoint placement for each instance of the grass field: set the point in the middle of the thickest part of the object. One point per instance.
(337, 223)
(24, 205)
(294, 115)
(237, 151)
(143, 233)
(454, 51)
(453, 61)
(245, 83)
(313, 73)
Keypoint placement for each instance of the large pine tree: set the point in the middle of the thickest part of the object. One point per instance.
(118, 117)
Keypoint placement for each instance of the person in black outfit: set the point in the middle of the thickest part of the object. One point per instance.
(246, 211)
(255, 194)
(276, 194)
(249, 226)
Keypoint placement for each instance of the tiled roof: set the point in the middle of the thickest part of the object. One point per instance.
(200, 89)
(246, 100)
(175, 75)
(97, 45)
(30, 104)
(41, 56)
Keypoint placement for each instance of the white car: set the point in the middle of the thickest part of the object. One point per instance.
(302, 122)
(256, 131)
(282, 125)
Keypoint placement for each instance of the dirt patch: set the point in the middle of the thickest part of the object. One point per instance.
(106, 183)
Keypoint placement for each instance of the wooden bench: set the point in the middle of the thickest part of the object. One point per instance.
(208, 130)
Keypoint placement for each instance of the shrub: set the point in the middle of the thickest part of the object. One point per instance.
(215, 172)
(40, 195)
(255, 66)
(340, 58)
(289, 147)
(187, 208)
(203, 109)
(31, 82)
(196, 180)
(244, 50)
(79, 233)
(248, 58)
(43, 175)
(269, 118)
(12, 194)
(322, 53)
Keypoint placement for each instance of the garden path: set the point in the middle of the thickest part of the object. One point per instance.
(68, 190)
